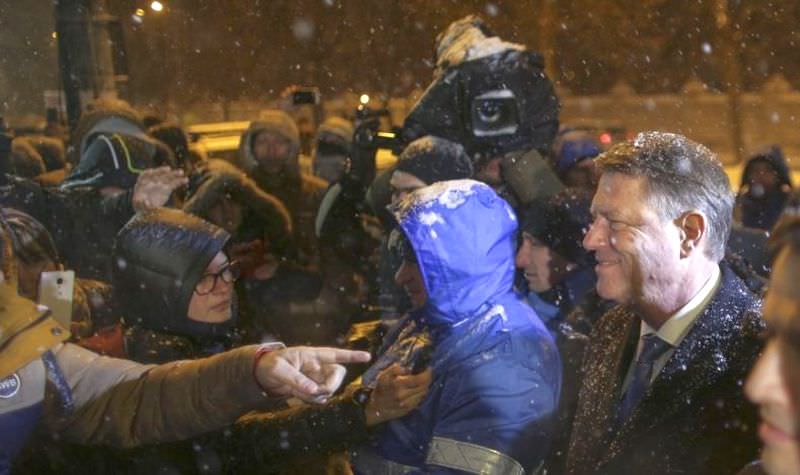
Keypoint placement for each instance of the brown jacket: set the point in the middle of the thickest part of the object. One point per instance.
(119, 402)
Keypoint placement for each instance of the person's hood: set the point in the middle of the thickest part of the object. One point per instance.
(276, 122)
(106, 117)
(336, 130)
(158, 258)
(26, 162)
(773, 155)
(117, 160)
(218, 178)
(463, 235)
(51, 149)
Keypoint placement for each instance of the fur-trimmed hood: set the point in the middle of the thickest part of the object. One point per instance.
(276, 122)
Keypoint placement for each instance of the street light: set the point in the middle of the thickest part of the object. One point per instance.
(139, 12)
(156, 6)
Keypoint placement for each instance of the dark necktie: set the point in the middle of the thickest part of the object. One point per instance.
(653, 347)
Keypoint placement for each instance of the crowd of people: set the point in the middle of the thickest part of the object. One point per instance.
(514, 298)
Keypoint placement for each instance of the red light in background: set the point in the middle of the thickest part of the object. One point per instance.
(605, 138)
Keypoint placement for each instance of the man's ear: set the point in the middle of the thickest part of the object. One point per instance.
(693, 229)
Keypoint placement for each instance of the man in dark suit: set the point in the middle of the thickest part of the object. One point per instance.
(663, 371)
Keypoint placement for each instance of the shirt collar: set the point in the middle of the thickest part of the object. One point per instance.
(678, 325)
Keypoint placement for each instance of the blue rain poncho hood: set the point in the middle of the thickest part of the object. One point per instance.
(463, 235)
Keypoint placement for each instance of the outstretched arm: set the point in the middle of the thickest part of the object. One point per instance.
(121, 403)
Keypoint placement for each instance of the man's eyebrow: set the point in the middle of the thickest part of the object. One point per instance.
(611, 214)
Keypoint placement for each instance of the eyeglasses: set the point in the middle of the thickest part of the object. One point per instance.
(208, 282)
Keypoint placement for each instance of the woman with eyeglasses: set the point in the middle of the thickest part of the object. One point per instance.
(174, 287)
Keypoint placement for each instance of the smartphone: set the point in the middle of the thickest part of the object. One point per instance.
(306, 95)
(55, 293)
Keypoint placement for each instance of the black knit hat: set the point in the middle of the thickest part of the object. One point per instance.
(561, 222)
(433, 159)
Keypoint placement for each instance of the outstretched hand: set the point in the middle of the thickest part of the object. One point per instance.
(307, 373)
(154, 187)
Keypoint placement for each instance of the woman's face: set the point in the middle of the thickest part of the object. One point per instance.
(212, 300)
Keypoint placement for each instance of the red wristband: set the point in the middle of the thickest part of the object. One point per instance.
(262, 350)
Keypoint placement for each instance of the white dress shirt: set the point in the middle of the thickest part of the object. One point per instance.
(675, 329)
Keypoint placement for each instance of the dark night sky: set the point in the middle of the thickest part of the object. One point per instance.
(214, 50)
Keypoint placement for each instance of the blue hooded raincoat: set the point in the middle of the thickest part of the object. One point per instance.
(496, 370)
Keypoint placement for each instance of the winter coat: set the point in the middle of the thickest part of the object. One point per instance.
(83, 223)
(496, 371)
(762, 211)
(694, 417)
(299, 192)
(751, 245)
(89, 399)
(571, 334)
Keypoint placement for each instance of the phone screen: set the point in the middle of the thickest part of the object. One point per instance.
(55, 293)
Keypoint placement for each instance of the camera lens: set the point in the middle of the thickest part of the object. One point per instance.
(495, 113)
(490, 111)
(59, 281)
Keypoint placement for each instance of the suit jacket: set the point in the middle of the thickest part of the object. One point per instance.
(694, 418)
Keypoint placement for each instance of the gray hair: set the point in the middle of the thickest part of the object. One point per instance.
(682, 175)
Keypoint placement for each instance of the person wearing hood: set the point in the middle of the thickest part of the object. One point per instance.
(332, 149)
(496, 370)
(78, 396)
(766, 184)
(165, 321)
(423, 162)
(269, 153)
